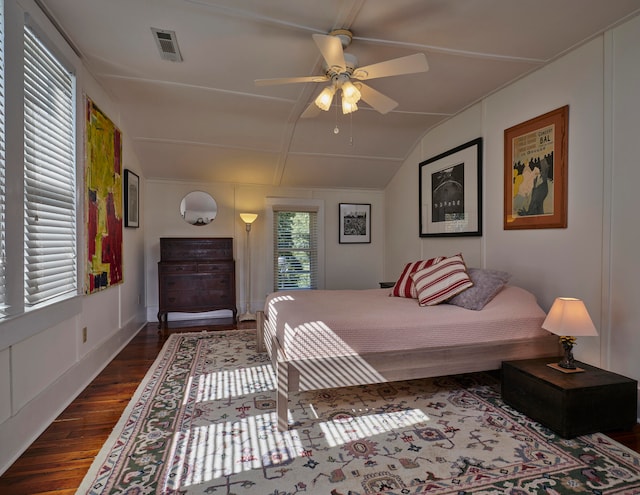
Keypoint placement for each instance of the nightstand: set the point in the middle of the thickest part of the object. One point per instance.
(570, 404)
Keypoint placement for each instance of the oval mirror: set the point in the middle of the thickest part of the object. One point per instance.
(198, 208)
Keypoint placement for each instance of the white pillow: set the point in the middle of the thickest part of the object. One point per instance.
(442, 281)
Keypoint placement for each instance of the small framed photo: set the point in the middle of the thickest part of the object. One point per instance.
(131, 199)
(355, 223)
(451, 192)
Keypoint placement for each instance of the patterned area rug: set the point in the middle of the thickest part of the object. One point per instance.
(203, 422)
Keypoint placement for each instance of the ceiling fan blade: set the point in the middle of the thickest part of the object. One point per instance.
(331, 49)
(290, 80)
(394, 67)
(377, 100)
(311, 111)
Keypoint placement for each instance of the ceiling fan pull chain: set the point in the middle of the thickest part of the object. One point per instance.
(351, 129)
(336, 129)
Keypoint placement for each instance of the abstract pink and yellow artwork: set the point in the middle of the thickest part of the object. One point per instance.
(103, 202)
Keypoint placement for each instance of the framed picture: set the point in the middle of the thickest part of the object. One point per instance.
(103, 186)
(535, 172)
(355, 223)
(131, 198)
(451, 192)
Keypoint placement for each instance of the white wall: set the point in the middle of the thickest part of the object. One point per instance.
(599, 81)
(43, 362)
(554, 262)
(623, 90)
(354, 266)
(403, 243)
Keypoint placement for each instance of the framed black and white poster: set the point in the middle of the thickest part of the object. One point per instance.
(355, 223)
(451, 192)
(131, 199)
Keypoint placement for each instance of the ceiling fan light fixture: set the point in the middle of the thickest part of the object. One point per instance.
(348, 106)
(350, 93)
(324, 99)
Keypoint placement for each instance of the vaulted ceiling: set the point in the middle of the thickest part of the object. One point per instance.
(204, 119)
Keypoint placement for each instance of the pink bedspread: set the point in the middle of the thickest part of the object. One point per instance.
(343, 322)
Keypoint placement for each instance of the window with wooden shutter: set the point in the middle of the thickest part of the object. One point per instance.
(49, 175)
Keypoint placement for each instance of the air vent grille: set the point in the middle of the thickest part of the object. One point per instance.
(167, 44)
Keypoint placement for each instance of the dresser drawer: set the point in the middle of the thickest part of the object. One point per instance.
(197, 281)
(220, 266)
(188, 300)
(171, 267)
(194, 248)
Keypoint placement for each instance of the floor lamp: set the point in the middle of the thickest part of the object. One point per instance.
(248, 219)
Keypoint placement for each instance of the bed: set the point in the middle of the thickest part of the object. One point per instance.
(336, 338)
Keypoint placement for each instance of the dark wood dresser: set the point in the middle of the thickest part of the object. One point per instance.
(195, 274)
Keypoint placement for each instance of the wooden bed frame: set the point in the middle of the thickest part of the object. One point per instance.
(391, 366)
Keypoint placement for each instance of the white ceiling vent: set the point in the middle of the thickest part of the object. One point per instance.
(167, 44)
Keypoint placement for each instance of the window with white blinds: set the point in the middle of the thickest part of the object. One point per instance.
(295, 250)
(3, 254)
(49, 174)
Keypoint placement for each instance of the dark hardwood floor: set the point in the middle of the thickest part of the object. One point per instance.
(58, 460)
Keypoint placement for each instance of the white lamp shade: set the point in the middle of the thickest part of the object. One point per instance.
(569, 317)
(248, 217)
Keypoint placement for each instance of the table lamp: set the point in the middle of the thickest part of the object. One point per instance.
(569, 318)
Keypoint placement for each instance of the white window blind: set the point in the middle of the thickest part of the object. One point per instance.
(49, 175)
(3, 254)
(295, 263)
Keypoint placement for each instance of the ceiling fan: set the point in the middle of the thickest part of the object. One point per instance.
(341, 69)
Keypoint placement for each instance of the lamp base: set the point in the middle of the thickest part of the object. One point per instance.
(567, 362)
(247, 317)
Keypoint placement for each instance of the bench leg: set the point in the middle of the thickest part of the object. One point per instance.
(260, 331)
(282, 396)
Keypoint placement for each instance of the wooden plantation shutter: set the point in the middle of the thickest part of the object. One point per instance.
(49, 174)
(295, 250)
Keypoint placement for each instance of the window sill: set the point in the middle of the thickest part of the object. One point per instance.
(15, 328)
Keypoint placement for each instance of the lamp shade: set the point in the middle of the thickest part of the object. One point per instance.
(569, 317)
(248, 217)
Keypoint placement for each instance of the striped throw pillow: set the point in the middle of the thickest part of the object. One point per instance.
(404, 286)
(442, 281)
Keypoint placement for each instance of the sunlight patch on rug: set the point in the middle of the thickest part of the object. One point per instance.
(205, 453)
(227, 384)
(346, 428)
(203, 421)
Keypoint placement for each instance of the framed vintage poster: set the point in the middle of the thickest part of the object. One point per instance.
(131, 198)
(535, 172)
(451, 192)
(355, 223)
